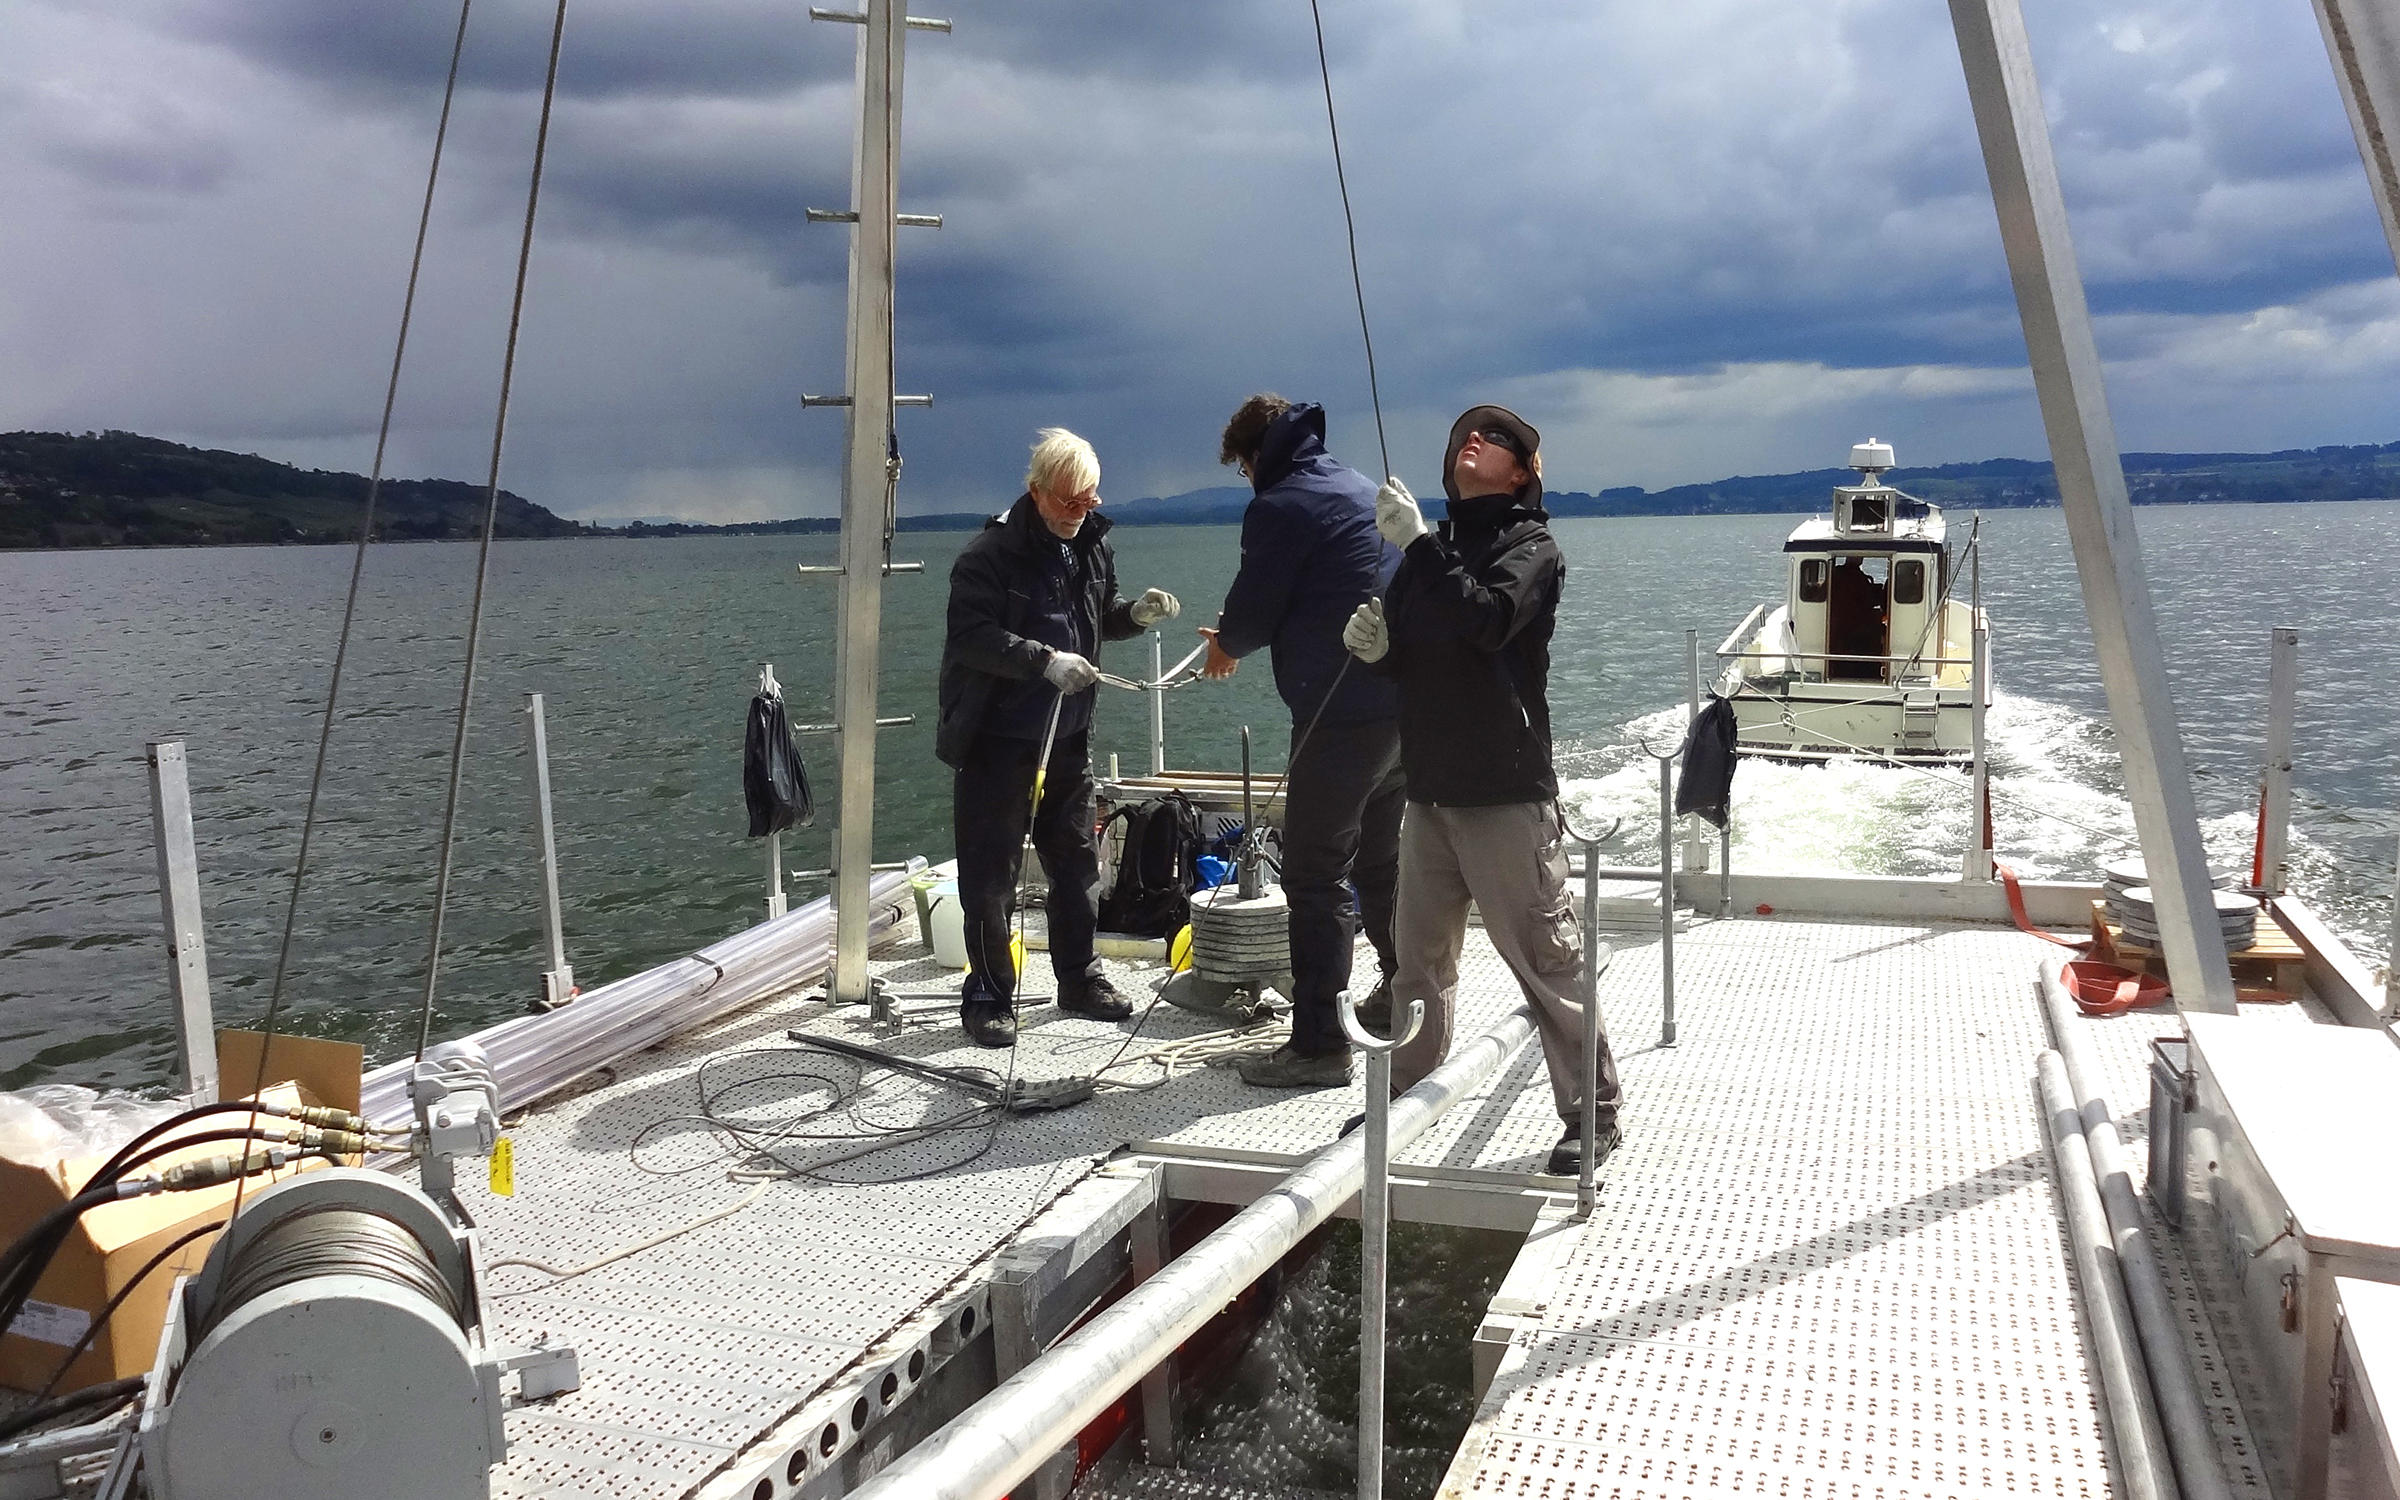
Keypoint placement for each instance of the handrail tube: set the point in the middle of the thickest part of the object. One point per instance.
(2189, 1430)
(2126, 1393)
(1725, 646)
(1010, 1432)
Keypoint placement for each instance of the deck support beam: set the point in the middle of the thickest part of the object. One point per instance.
(179, 899)
(2363, 39)
(1993, 49)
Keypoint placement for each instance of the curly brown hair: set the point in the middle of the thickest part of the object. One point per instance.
(1248, 427)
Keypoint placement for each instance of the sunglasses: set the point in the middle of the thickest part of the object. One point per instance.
(1501, 437)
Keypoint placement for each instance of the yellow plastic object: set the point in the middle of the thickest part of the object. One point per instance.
(1016, 952)
(504, 1168)
(1179, 952)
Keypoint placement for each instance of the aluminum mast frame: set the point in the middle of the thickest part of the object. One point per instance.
(2363, 39)
(2007, 99)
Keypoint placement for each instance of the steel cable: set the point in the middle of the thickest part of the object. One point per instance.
(483, 555)
(1350, 227)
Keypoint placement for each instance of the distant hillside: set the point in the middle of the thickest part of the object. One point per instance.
(119, 489)
(114, 489)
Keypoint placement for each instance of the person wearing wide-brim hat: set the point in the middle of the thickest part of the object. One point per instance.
(1465, 628)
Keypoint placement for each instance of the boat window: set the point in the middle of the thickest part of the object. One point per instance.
(1812, 580)
(1908, 582)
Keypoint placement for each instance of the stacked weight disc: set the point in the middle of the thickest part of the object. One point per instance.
(2137, 912)
(2125, 874)
(1238, 940)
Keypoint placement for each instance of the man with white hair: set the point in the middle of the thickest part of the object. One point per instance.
(1031, 599)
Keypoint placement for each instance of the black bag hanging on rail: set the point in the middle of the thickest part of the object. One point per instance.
(1152, 894)
(773, 781)
(1709, 753)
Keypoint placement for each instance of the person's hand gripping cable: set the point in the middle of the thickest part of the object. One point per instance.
(1397, 515)
(1366, 636)
(1154, 605)
(1069, 673)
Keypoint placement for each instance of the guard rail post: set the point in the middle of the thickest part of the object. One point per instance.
(1595, 958)
(179, 899)
(558, 980)
(1158, 707)
(2391, 954)
(1979, 846)
(2268, 872)
(1666, 895)
(1375, 1229)
(1695, 844)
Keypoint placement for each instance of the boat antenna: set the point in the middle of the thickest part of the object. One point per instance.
(1350, 226)
(483, 555)
(358, 564)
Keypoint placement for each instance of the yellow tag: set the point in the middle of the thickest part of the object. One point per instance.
(504, 1168)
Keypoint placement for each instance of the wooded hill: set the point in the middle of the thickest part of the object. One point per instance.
(116, 489)
(120, 489)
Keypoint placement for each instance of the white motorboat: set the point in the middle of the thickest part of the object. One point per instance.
(1871, 652)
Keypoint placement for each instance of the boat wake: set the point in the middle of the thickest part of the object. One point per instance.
(2058, 803)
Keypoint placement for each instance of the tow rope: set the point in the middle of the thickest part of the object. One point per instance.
(2024, 919)
(2098, 989)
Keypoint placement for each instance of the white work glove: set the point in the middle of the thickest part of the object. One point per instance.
(1365, 635)
(1069, 673)
(1397, 516)
(1154, 605)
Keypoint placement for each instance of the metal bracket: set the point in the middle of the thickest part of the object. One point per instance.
(542, 1370)
(892, 723)
(857, 18)
(836, 570)
(845, 400)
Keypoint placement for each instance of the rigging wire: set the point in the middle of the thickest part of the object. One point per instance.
(483, 555)
(358, 563)
(1357, 286)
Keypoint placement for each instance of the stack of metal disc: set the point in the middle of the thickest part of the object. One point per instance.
(2137, 912)
(1241, 940)
(2116, 879)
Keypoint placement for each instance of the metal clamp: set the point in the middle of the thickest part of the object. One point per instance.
(1375, 1227)
(858, 18)
(845, 401)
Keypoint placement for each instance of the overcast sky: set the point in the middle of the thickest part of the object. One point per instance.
(1687, 240)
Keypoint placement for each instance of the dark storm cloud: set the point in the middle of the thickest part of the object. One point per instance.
(1707, 212)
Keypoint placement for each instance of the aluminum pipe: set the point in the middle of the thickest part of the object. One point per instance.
(2116, 1348)
(1009, 1433)
(2190, 1435)
(535, 1055)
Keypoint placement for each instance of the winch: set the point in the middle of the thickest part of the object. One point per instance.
(336, 1341)
(1240, 941)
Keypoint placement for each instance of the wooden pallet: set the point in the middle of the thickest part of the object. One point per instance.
(2272, 969)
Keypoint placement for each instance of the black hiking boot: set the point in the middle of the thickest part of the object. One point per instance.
(1095, 998)
(989, 1023)
(1285, 1069)
(1566, 1158)
(1375, 1011)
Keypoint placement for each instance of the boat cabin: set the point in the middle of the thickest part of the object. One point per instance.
(1866, 586)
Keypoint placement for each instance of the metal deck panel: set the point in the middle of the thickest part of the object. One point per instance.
(1835, 1187)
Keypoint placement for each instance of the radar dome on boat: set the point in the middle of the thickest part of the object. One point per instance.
(1871, 457)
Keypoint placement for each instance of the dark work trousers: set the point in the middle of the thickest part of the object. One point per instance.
(1341, 827)
(990, 797)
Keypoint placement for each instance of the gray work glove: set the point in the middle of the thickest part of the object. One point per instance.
(1069, 673)
(1154, 605)
(1397, 516)
(1365, 635)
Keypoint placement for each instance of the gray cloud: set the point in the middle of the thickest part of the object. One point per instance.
(1704, 211)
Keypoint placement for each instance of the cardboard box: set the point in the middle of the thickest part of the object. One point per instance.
(110, 1245)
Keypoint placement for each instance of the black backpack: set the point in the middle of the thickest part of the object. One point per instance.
(1152, 894)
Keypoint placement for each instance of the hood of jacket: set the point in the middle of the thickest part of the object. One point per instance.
(1531, 494)
(1291, 440)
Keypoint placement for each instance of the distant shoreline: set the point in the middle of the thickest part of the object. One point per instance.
(830, 527)
(110, 491)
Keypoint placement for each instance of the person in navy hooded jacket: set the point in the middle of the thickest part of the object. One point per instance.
(1310, 556)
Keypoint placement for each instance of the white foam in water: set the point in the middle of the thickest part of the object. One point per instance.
(2057, 810)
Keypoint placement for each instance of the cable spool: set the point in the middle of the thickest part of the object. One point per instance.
(1242, 939)
(2136, 912)
(329, 1346)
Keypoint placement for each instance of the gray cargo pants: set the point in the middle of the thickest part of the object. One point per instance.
(1511, 861)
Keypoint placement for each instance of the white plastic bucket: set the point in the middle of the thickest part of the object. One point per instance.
(946, 925)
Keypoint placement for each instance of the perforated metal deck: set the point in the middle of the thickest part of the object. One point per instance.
(1828, 1259)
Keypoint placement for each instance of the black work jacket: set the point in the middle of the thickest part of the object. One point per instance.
(1470, 613)
(1310, 555)
(994, 586)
